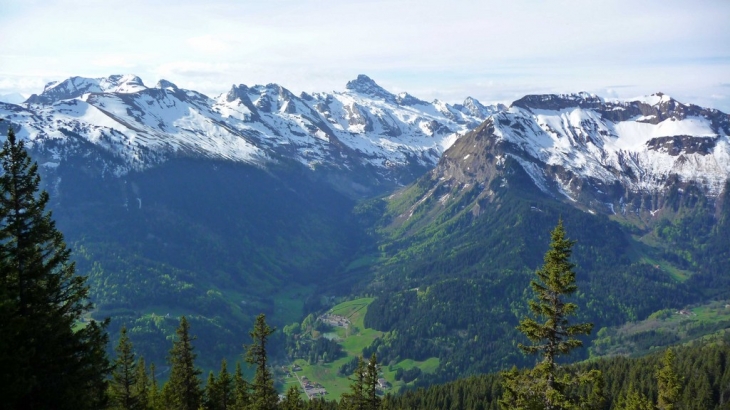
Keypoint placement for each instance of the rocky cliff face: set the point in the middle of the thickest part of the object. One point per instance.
(634, 157)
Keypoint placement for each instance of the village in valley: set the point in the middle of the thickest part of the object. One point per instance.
(324, 349)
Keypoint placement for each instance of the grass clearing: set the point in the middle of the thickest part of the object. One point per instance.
(663, 328)
(353, 340)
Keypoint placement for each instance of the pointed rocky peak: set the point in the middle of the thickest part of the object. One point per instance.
(166, 85)
(238, 92)
(475, 108)
(366, 86)
(281, 91)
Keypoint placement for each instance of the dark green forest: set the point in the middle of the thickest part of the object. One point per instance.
(452, 285)
(184, 270)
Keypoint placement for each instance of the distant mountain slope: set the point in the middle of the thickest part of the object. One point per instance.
(642, 186)
(364, 130)
(607, 157)
(220, 208)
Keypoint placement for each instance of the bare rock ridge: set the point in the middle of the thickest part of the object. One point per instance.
(579, 147)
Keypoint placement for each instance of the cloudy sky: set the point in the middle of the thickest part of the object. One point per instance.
(491, 50)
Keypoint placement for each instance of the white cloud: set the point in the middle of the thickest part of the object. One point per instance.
(116, 61)
(208, 44)
(434, 49)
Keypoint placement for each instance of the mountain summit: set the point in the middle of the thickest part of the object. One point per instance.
(366, 86)
(365, 137)
(617, 158)
(574, 146)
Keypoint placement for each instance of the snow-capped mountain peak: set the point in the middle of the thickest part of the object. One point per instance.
(363, 129)
(166, 85)
(75, 87)
(558, 139)
(366, 86)
(603, 155)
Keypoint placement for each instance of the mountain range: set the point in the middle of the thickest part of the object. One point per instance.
(576, 146)
(256, 200)
(364, 136)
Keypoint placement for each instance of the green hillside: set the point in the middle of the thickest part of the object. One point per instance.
(352, 339)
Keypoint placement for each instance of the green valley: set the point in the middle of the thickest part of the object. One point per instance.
(344, 324)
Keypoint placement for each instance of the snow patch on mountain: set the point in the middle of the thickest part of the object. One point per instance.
(364, 125)
(619, 141)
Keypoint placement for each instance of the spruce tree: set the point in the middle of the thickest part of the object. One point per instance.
(545, 386)
(182, 391)
(225, 388)
(264, 395)
(241, 394)
(211, 393)
(124, 375)
(668, 383)
(292, 400)
(44, 361)
(372, 374)
(356, 398)
(142, 385)
(634, 400)
(154, 400)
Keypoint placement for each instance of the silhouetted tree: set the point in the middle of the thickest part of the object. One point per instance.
(124, 375)
(263, 395)
(182, 391)
(48, 357)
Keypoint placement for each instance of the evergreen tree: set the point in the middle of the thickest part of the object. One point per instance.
(211, 393)
(124, 375)
(155, 399)
(264, 395)
(372, 374)
(355, 399)
(634, 400)
(142, 386)
(44, 362)
(182, 391)
(292, 400)
(545, 386)
(668, 382)
(219, 391)
(241, 396)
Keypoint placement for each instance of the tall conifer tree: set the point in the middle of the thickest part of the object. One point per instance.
(241, 390)
(142, 385)
(182, 391)
(124, 375)
(552, 335)
(356, 398)
(211, 393)
(264, 395)
(292, 400)
(668, 383)
(372, 374)
(44, 362)
(155, 401)
(226, 387)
